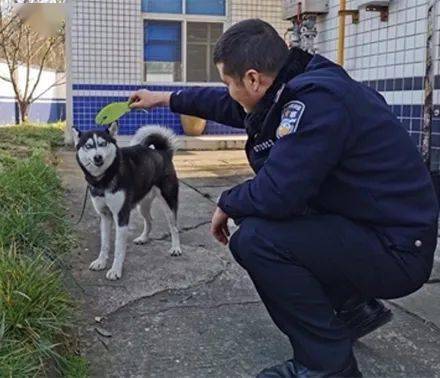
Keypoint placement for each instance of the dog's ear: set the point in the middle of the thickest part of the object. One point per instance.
(113, 129)
(76, 135)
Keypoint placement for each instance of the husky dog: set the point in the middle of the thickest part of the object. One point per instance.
(122, 178)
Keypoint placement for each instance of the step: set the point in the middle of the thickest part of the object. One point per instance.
(204, 142)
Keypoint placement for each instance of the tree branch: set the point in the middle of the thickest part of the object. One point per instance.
(6, 79)
(42, 65)
(28, 63)
(56, 84)
(19, 45)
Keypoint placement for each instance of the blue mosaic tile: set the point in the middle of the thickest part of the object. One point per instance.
(417, 110)
(406, 111)
(436, 127)
(398, 84)
(85, 109)
(435, 139)
(417, 138)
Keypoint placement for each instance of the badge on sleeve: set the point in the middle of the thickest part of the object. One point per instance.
(290, 117)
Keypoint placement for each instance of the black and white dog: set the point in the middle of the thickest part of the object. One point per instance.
(122, 178)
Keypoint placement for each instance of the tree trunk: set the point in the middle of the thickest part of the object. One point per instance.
(24, 111)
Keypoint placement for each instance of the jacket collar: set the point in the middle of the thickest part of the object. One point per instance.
(296, 64)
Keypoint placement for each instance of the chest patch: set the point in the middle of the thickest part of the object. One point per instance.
(264, 146)
(290, 117)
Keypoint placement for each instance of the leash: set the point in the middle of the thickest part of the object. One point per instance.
(84, 206)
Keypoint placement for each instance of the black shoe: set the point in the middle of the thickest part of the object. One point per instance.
(293, 369)
(364, 317)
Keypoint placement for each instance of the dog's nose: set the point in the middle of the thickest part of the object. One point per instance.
(98, 160)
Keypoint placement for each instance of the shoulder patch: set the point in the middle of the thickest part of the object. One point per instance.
(290, 117)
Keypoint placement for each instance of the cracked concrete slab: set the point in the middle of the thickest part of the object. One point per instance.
(147, 273)
(211, 331)
(149, 268)
(200, 315)
(425, 303)
(435, 274)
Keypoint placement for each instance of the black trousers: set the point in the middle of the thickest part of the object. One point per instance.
(305, 268)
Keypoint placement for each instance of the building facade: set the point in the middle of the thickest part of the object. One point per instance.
(117, 47)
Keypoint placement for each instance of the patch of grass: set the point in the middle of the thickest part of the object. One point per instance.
(22, 141)
(16, 360)
(31, 212)
(35, 309)
(35, 312)
(76, 367)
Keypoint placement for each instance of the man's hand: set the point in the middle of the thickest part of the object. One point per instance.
(145, 99)
(219, 226)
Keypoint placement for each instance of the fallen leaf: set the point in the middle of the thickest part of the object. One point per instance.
(103, 332)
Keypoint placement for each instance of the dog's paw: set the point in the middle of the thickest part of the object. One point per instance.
(113, 274)
(175, 251)
(98, 264)
(141, 240)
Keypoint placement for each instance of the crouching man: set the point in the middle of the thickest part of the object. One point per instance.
(341, 211)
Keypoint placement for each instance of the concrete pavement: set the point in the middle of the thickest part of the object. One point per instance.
(198, 315)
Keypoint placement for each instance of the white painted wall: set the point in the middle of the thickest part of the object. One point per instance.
(48, 77)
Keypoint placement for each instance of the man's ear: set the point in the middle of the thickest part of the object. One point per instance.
(113, 129)
(252, 79)
(76, 135)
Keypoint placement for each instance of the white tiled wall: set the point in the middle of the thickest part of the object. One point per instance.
(106, 41)
(376, 49)
(268, 10)
(107, 38)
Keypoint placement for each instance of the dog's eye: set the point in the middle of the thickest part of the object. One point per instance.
(102, 144)
(88, 146)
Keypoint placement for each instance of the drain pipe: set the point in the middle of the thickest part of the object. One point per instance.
(341, 32)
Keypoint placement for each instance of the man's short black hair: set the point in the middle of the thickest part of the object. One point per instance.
(250, 44)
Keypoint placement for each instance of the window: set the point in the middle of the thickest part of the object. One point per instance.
(162, 6)
(163, 54)
(208, 7)
(203, 7)
(201, 38)
(180, 36)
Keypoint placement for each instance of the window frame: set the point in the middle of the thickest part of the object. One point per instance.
(207, 44)
(183, 19)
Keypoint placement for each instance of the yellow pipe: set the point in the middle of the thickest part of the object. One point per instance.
(341, 32)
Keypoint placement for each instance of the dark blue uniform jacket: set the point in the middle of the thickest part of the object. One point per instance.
(320, 141)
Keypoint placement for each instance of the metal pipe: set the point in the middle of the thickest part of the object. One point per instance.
(341, 32)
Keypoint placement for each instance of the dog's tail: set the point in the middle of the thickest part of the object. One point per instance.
(159, 137)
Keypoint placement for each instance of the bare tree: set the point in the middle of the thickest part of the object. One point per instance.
(20, 45)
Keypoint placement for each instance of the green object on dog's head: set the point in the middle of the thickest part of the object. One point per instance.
(112, 112)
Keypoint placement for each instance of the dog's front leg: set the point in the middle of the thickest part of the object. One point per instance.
(120, 250)
(121, 220)
(106, 225)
